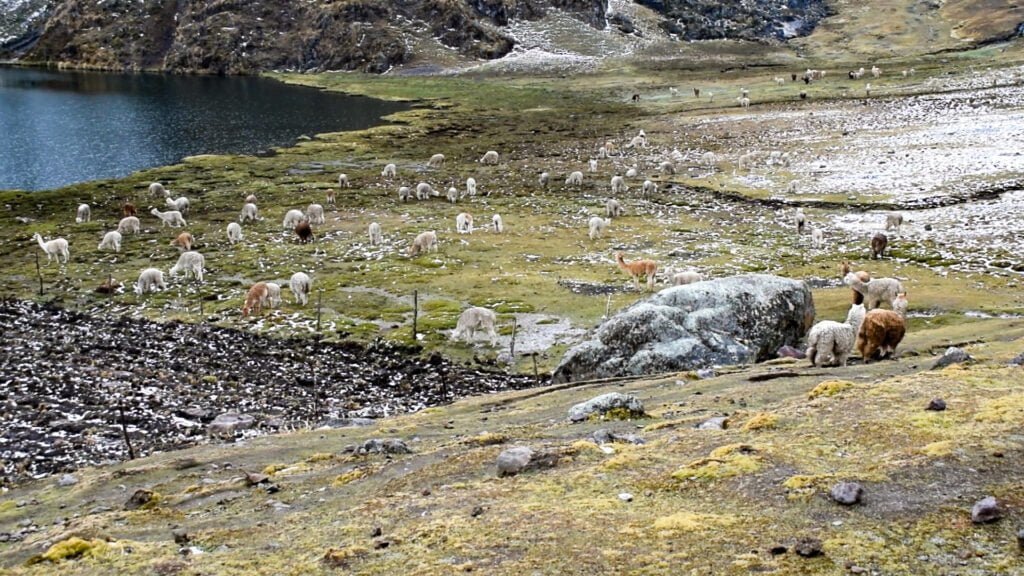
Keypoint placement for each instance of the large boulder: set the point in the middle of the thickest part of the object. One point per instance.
(734, 320)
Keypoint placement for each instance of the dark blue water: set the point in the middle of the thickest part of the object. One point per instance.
(58, 128)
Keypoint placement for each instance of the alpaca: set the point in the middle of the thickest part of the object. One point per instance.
(883, 330)
(249, 212)
(129, 225)
(343, 181)
(452, 195)
(597, 226)
(424, 191)
(170, 218)
(592, 165)
(234, 232)
(273, 294)
(184, 242)
(300, 285)
(574, 179)
(157, 189)
(878, 244)
(471, 186)
(638, 268)
(830, 343)
(544, 178)
(649, 188)
(667, 168)
(436, 161)
(179, 204)
(55, 249)
(613, 209)
(490, 157)
(389, 171)
(475, 319)
(687, 277)
(255, 298)
(894, 220)
(817, 238)
(84, 214)
(423, 243)
(292, 219)
(376, 239)
(315, 214)
(499, 225)
(801, 220)
(304, 231)
(464, 223)
(404, 194)
(862, 275)
(619, 185)
(111, 241)
(150, 280)
(128, 209)
(190, 263)
(875, 291)
(332, 197)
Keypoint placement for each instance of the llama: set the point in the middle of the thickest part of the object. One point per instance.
(84, 214)
(56, 249)
(300, 285)
(376, 238)
(436, 161)
(157, 189)
(875, 291)
(817, 238)
(830, 343)
(332, 198)
(184, 242)
(190, 263)
(404, 194)
(180, 204)
(249, 212)
(423, 243)
(315, 214)
(649, 188)
(234, 232)
(473, 320)
(304, 232)
(544, 178)
(801, 220)
(498, 224)
(128, 209)
(687, 277)
(592, 165)
(471, 186)
(597, 226)
(878, 244)
(894, 220)
(170, 218)
(574, 179)
(389, 171)
(129, 225)
(343, 181)
(862, 275)
(638, 268)
(613, 209)
(150, 280)
(619, 185)
(883, 330)
(424, 191)
(452, 195)
(464, 223)
(255, 298)
(489, 157)
(111, 241)
(292, 219)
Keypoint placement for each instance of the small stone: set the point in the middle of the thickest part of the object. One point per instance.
(952, 356)
(376, 532)
(181, 537)
(605, 436)
(716, 423)
(426, 492)
(626, 497)
(477, 510)
(67, 480)
(705, 373)
(857, 570)
(847, 493)
(514, 460)
(809, 547)
(936, 404)
(986, 510)
(384, 446)
(381, 544)
(140, 498)
(1018, 360)
(778, 550)
(254, 478)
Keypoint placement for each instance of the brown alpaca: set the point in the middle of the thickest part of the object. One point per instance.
(304, 232)
(128, 209)
(184, 242)
(254, 299)
(638, 268)
(878, 243)
(331, 197)
(864, 276)
(882, 330)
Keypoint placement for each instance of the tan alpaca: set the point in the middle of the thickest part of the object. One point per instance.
(257, 296)
(638, 268)
(184, 241)
(864, 276)
(882, 330)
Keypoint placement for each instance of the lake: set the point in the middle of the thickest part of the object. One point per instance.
(59, 128)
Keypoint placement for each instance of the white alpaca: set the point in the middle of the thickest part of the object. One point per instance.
(747, 160)
(597, 226)
(157, 189)
(619, 185)
(876, 290)
(709, 159)
(273, 294)
(744, 102)
(180, 204)
(292, 219)
(632, 172)
(390, 171)
(234, 232)
(315, 214)
(54, 249)
(667, 167)
(423, 243)
(300, 285)
(650, 187)
(424, 191)
(452, 195)
(404, 194)
(592, 165)
(376, 238)
(129, 225)
(545, 177)
(464, 223)
(613, 209)
(150, 280)
(673, 91)
(473, 320)
(436, 161)
(111, 241)
(791, 188)
(471, 186)
(250, 199)
(801, 220)
(84, 214)
(574, 179)
(249, 212)
(490, 157)
(686, 277)
(190, 262)
(637, 142)
(894, 220)
(170, 218)
(876, 71)
(817, 238)
(499, 225)
(830, 343)
(343, 181)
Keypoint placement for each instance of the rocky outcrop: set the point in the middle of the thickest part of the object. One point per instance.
(729, 321)
(739, 19)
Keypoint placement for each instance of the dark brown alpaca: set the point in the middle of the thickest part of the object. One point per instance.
(878, 243)
(128, 209)
(304, 232)
(883, 330)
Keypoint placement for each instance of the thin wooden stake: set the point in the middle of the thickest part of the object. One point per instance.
(39, 272)
(512, 344)
(124, 431)
(415, 311)
(608, 306)
(319, 306)
(536, 377)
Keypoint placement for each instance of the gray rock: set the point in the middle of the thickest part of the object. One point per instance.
(67, 480)
(936, 404)
(790, 352)
(986, 510)
(1018, 360)
(606, 436)
(734, 320)
(347, 422)
(716, 423)
(519, 459)
(847, 493)
(809, 547)
(604, 403)
(181, 536)
(952, 356)
(227, 424)
(384, 446)
(705, 373)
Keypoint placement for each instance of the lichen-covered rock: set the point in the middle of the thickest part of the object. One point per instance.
(847, 493)
(519, 459)
(606, 403)
(383, 446)
(986, 510)
(605, 436)
(953, 355)
(733, 320)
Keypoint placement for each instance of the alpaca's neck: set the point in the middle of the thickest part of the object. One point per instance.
(41, 243)
(623, 265)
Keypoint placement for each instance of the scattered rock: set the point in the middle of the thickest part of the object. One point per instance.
(523, 459)
(716, 423)
(847, 493)
(986, 510)
(376, 532)
(1020, 538)
(227, 424)
(626, 497)
(477, 510)
(928, 227)
(181, 537)
(1018, 360)
(605, 403)
(936, 404)
(809, 547)
(383, 446)
(605, 436)
(141, 498)
(790, 352)
(255, 478)
(347, 422)
(778, 550)
(67, 480)
(952, 356)
(705, 373)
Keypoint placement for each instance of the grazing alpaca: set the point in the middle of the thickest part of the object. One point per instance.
(544, 178)
(234, 232)
(404, 194)
(499, 225)
(574, 179)
(424, 191)
(597, 226)
(184, 242)
(613, 209)
(687, 277)
(817, 238)
(423, 243)
(830, 343)
(343, 181)
(249, 212)
(315, 214)
(862, 275)
(250, 199)
(883, 330)
(190, 263)
(150, 280)
(436, 161)
(638, 268)
(376, 238)
(389, 171)
(452, 195)
(300, 285)
(111, 241)
(878, 243)
(84, 214)
(304, 232)
(464, 223)
(331, 198)
(179, 204)
(255, 298)
(292, 219)
(129, 225)
(490, 157)
(894, 220)
(157, 189)
(801, 220)
(874, 291)
(273, 294)
(128, 209)
(472, 320)
(55, 249)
